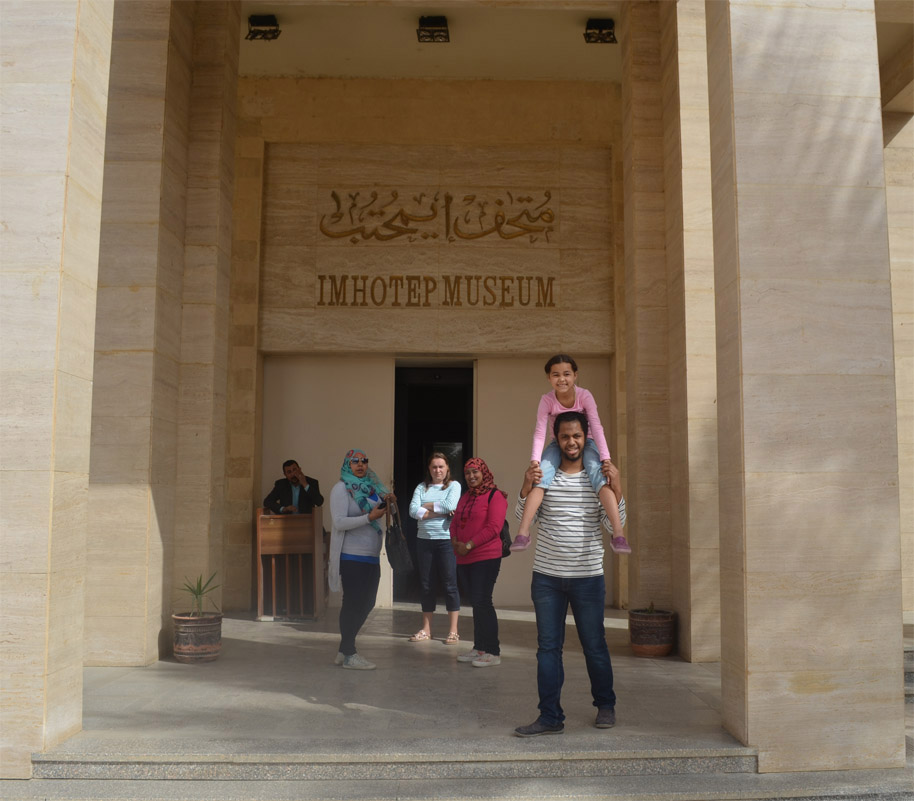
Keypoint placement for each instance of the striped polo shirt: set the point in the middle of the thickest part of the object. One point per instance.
(569, 540)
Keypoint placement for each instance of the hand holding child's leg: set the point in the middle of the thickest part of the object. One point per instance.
(618, 543)
(531, 506)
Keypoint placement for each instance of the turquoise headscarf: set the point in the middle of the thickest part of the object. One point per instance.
(367, 491)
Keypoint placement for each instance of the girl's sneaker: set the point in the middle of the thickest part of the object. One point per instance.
(470, 656)
(620, 545)
(521, 543)
(487, 660)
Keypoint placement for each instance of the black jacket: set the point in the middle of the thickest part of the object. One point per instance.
(281, 495)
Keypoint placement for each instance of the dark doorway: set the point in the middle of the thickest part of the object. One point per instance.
(433, 410)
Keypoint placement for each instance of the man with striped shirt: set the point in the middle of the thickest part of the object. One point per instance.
(568, 571)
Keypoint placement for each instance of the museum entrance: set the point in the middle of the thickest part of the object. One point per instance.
(433, 411)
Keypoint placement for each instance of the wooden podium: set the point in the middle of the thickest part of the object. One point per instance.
(288, 540)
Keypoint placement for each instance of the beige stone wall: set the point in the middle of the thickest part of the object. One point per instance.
(647, 325)
(692, 359)
(54, 100)
(301, 140)
(810, 575)
(898, 132)
(138, 335)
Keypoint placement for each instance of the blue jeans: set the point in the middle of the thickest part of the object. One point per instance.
(551, 598)
(593, 465)
(436, 561)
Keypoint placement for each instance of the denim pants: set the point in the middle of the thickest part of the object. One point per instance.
(593, 465)
(552, 596)
(436, 561)
(360, 591)
(477, 579)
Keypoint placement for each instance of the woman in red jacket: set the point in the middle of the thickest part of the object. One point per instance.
(476, 537)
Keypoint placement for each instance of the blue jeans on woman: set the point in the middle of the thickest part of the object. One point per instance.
(593, 465)
(478, 582)
(552, 595)
(436, 561)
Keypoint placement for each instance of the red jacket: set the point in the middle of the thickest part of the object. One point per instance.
(485, 518)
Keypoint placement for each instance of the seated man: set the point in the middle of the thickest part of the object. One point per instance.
(296, 494)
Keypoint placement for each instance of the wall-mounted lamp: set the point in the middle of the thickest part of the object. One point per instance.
(600, 31)
(263, 26)
(433, 29)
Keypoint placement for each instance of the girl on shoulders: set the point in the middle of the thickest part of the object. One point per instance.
(566, 396)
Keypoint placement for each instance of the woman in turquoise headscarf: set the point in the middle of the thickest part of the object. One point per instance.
(357, 502)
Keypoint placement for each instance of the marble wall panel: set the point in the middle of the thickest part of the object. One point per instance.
(842, 709)
(838, 61)
(819, 326)
(785, 428)
(816, 608)
(35, 120)
(766, 126)
(810, 219)
(32, 212)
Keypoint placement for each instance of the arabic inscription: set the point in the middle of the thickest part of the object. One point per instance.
(361, 215)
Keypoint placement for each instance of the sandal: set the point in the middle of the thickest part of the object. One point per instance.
(452, 639)
(420, 636)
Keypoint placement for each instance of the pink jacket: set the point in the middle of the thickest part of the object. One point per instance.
(550, 408)
(483, 525)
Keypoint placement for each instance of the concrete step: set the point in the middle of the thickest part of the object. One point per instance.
(896, 785)
(543, 763)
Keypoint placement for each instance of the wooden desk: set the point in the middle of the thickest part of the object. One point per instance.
(290, 538)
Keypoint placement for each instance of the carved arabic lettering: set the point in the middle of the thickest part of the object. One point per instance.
(362, 215)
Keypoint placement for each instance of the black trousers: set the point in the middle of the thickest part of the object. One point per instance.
(477, 580)
(360, 582)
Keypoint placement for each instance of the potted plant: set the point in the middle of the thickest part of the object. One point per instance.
(652, 631)
(198, 634)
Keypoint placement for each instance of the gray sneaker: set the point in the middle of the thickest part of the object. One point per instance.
(487, 660)
(538, 727)
(340, 658)
(606, 718)
(470, 656)
(356, 662)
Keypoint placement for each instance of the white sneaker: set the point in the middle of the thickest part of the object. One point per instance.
(356, 662)
(470, 656)
(487, 660)
(340, 658)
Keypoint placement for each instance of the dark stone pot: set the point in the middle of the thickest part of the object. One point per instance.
(652, 633)
(197, 639)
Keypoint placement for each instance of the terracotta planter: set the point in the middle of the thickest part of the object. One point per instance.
(197, 639)
(652, 633)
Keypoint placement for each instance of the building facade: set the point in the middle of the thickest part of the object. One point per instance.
(216, 258)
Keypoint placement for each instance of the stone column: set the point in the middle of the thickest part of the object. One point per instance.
(692, 356)
(138, 336)
(898, 131)
(200, 495)
(810, 567)
(646, 308)
(55, 60)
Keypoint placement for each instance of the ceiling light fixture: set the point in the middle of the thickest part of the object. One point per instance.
(433, 29)
(600, 31)
(263, 26)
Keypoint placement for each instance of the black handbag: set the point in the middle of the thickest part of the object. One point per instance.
(395, 543)
(505, 532)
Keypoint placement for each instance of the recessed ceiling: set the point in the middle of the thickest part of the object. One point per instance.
(489, 40)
